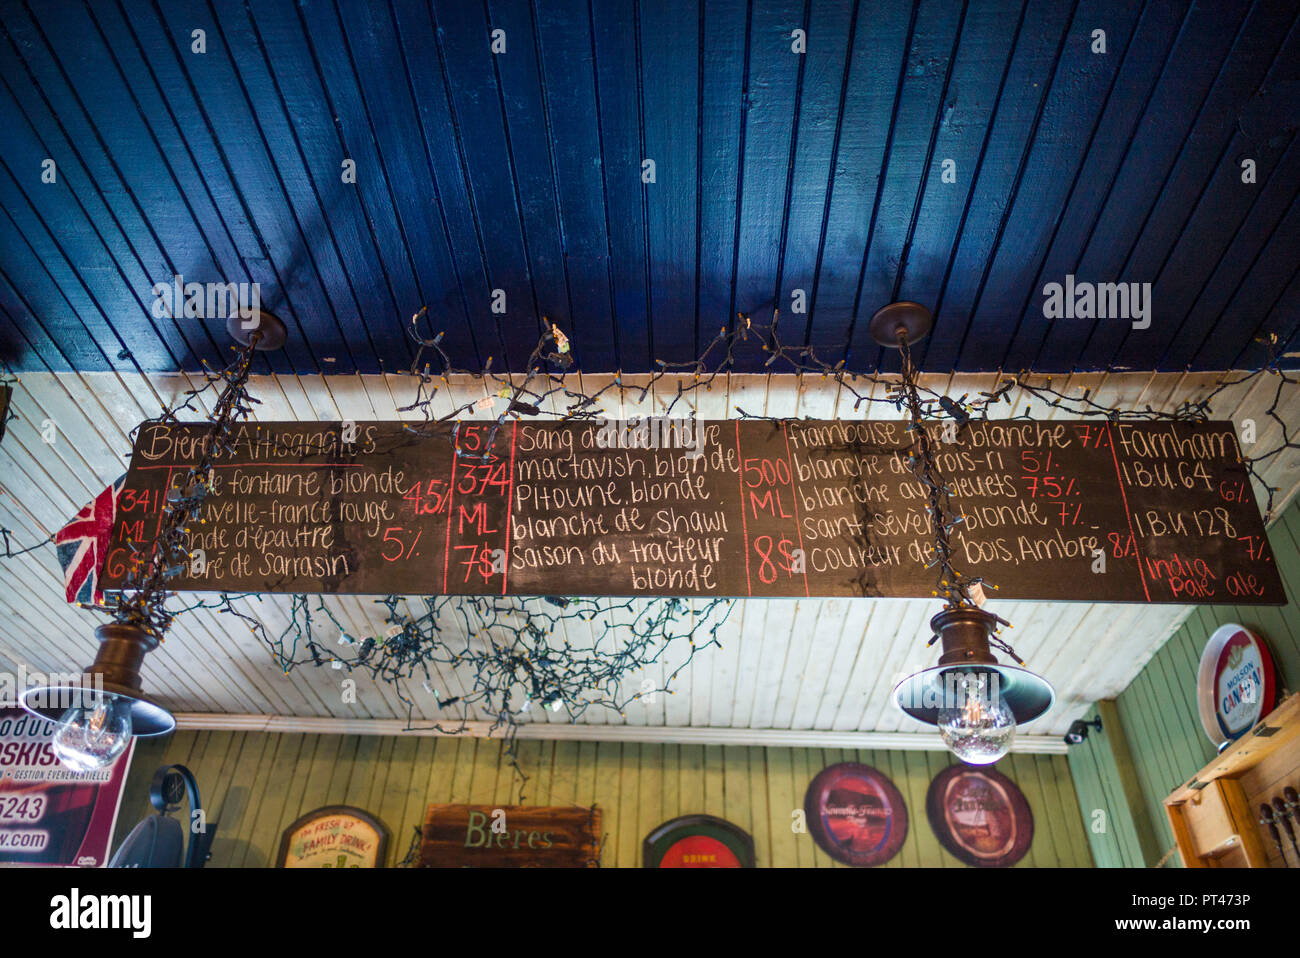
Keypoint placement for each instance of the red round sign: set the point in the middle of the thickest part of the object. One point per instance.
(980, 816)
(699, 851)
(698, 841)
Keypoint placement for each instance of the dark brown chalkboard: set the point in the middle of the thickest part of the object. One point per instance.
(553, 510)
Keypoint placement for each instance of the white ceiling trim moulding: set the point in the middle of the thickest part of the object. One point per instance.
(662, 735)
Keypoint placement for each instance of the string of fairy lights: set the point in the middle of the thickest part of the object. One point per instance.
(500, 657)
(551, 392)
(956, 589)
(143, 599)
(541, 391)
(505, 657)
(521, 652)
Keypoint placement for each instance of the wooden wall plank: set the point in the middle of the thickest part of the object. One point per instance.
(627, 840)
(259, 783)
(239, 810)
(608, 781)
(277, 798)
(782, 802)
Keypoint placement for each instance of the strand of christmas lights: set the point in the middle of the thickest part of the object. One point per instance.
(720, 357)
(507, 655)
(142, 600)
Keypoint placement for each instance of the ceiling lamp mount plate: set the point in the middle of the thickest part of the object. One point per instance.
(245, 324)
(116, 671)
(898, 320)
(965, 633)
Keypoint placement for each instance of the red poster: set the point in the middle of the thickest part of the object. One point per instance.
(49, 814)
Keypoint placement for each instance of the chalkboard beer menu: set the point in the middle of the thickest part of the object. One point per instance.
(1083, 510)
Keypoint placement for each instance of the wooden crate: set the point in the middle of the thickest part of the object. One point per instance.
(1215, 816)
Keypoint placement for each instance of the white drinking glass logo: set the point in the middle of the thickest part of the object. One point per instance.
(207, 300)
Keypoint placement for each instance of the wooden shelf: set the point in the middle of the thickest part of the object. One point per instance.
(1215, 815)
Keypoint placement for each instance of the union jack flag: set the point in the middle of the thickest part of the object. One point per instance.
(83, 545)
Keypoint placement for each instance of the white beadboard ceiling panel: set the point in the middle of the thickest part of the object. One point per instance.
(784, 664)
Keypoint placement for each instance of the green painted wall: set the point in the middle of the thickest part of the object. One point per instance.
(1160, 724)
(255, 784)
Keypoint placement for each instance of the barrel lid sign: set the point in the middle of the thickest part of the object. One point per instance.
(980, 816)
(856, 814)
(1236, 685)
(336, 836)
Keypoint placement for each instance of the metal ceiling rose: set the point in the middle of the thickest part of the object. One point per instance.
(965, 635)
(896, 319)
(274, 332)
(122, 649)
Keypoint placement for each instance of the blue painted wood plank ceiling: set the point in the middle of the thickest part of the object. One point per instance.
(639, 172)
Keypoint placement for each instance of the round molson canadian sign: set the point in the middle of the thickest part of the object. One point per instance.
(1235, 686)
(980, 816)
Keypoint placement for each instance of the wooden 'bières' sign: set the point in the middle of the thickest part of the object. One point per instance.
(1084, 510)
(510, 836)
